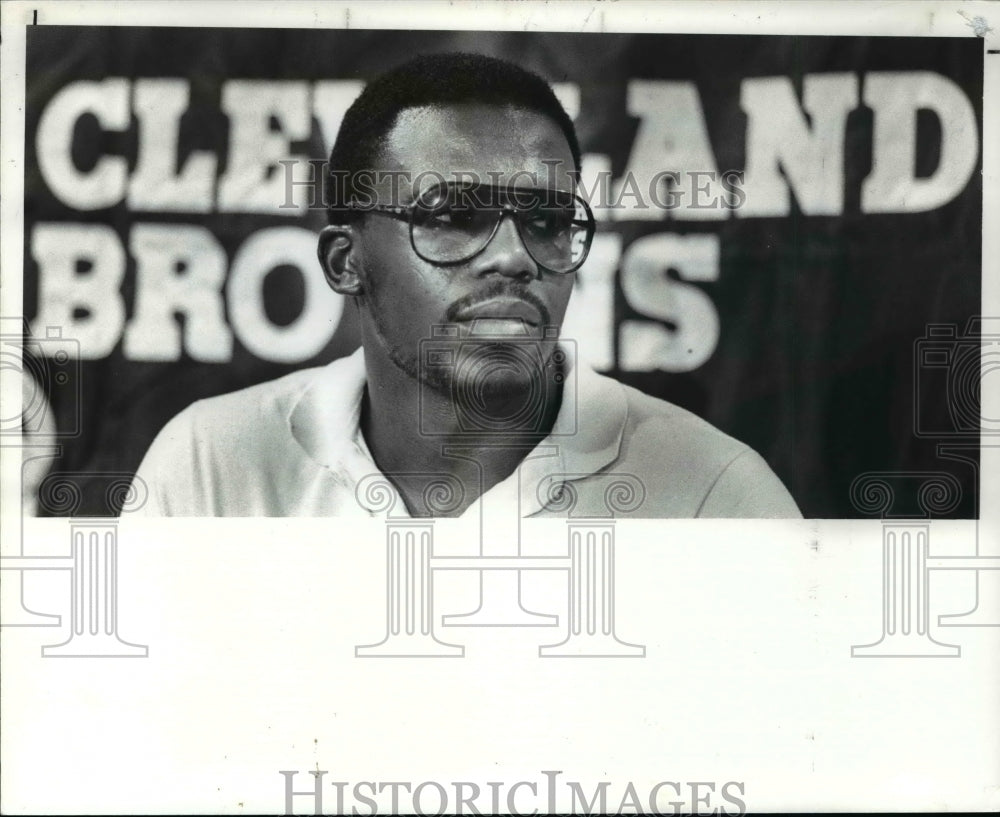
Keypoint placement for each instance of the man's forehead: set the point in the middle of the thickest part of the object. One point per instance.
(497, 144)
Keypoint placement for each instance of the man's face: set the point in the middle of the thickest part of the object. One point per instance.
(502, 290)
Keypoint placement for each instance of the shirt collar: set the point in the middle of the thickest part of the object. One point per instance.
(326, 418)
(586, 436)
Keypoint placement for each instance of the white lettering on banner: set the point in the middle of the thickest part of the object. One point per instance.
(671, 167)
(590, 316)
(780, 139)
(103, 185)
(331, 99)
(158, 105)
(254, 181)
(312, 329)
(792, 148)
(895, 97)
(648, 346)
(595, 170)
(568, 94)
(672, 139)
(179, 269)
(87, 304)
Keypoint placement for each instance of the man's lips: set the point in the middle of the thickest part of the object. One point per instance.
(503, 308)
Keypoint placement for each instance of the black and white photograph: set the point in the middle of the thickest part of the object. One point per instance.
(343, 338)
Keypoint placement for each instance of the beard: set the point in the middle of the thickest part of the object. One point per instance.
(495, 385)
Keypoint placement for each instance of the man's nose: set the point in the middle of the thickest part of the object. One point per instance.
(506, 253)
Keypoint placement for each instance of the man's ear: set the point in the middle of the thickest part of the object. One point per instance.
(340, 257)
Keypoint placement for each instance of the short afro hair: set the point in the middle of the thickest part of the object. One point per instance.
(432, 79)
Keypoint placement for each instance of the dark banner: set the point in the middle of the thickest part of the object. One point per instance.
(786, 226)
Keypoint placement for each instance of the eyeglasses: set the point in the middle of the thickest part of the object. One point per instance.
(453, 222)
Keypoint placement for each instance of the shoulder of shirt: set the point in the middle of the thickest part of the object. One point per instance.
(669, 426)
(225, 455)
(687, 465)
(690, 468)
(237, 407)
(250, 419)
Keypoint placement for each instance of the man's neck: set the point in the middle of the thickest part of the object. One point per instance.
(392, 408)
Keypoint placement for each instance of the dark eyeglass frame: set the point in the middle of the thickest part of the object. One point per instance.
(405, 213)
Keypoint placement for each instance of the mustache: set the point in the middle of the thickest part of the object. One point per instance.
(498, 289)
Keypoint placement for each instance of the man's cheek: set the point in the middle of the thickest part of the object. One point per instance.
(560, 302)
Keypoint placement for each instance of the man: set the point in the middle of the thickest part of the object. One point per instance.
(456, 231)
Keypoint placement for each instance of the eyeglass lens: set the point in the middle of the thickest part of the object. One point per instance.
(452, 223)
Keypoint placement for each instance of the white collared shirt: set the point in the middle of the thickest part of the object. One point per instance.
(294, 447)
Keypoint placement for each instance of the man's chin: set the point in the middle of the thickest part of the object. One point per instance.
(485, 371)
(498, 386)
